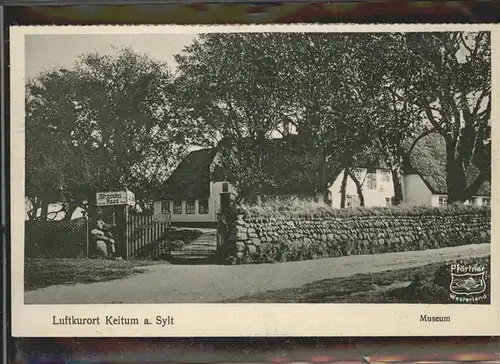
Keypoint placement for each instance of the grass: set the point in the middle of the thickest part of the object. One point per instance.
(366, 288)
(280, 209)
(40, 273)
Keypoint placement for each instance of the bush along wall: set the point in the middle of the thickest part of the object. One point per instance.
(293, 236)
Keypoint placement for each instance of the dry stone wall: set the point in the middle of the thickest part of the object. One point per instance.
(266, 240)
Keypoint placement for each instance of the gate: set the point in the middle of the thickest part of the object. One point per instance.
(222, 239)
(145, 236)
(224, 247)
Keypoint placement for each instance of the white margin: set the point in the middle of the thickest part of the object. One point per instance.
(244, 319)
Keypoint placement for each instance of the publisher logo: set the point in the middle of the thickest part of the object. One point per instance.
(468, 283)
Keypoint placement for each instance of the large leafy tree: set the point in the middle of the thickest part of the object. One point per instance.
(392, 122)
(107, 123)
(255, 86)
(421, 83)
(228, 97)
(449, 80)
(343, 103)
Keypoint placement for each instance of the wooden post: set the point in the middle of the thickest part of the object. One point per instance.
(126, 233)
(87, 233)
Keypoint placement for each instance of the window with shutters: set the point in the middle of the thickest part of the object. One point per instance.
(190, 207)
(177, 207)
(371, 179)
(443, 201)
(165, 207)
(203, 207)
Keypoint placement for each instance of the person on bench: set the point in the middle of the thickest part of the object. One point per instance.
(104, 241)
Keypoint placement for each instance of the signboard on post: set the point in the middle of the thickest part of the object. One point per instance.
(130, 198)
(115, 198)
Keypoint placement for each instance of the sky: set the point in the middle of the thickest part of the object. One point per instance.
(44, 52)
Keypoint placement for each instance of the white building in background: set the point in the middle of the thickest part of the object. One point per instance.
(417, 190)
(377, 188)
(424, 180)
(54, 211)
(191, 194)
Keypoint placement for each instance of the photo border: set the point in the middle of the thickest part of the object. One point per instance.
(243, 319)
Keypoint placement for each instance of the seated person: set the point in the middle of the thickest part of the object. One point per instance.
(105, 243)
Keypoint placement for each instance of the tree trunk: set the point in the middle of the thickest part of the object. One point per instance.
(359, 189)
(45, 211)
(456, 181)
(472, 189)
(35, 205)
(324, 178)
(398, 188)
(326, 197)
(70, 210)
(360, 194)
(343, 189)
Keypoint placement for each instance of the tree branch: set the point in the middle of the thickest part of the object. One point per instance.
(432, 120)
(417, 139)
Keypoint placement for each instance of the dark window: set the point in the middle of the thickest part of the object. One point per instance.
(165, 207)
(372, 180)
(177, 207)
(388, 201)
(386, 176)
(486, 201)
(225, 187)
(203, 206)
(190, 208)
(443, 201)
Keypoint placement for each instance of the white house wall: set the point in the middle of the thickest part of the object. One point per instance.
(373, 197)
(435, 200)
(215, 191)
(196, 217)
(213, 206)
(416, 192)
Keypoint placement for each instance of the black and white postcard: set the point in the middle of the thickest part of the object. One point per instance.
(268, 180)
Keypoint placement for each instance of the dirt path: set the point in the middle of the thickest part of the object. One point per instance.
(214, 283)
(204, 247)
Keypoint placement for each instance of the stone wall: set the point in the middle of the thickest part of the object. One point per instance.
(291, 238)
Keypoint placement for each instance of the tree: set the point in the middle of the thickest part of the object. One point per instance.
(243, 86)
(450, 76)
(343, 103)
(324, 97)
(422, 83)
(105, 124)
(227, 91)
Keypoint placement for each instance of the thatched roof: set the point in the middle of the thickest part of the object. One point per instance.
(428, 159)
(191, 178)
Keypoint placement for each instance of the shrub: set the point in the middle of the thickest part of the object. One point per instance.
(302, 208)
(55, 239)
